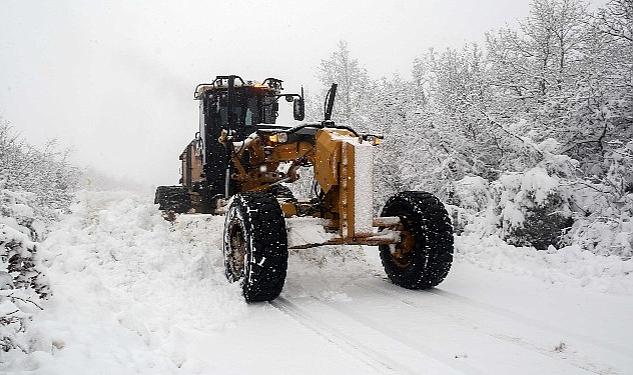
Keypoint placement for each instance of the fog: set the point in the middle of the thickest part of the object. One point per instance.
(114, 80)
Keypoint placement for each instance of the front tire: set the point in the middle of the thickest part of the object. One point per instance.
(424, 254)
(255, 245)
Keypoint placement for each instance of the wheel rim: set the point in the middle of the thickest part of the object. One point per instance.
(237, 245)
(402, 252)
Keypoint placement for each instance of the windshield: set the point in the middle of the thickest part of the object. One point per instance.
(250, 108)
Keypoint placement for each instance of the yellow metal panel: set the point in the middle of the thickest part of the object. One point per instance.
(346, 192)
(289, 209)
(290, 151)
(326, 160)
(354, 205)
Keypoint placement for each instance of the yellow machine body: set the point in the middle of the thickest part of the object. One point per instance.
(342, 167)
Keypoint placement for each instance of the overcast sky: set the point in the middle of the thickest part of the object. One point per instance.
(114, 79)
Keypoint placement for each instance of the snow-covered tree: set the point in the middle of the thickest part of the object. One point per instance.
(353, 85)
(44, 172)
(551, 100)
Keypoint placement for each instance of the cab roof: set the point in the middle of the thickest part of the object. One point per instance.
(221, 83)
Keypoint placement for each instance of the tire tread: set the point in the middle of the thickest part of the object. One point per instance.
(426, 218)
(267, 228)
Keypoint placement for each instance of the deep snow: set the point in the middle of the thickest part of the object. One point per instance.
(136, 294)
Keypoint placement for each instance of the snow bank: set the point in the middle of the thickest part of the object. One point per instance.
(134, 293)
(128, 287)
(569, 265)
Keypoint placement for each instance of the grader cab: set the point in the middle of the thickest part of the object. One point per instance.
(240, 161)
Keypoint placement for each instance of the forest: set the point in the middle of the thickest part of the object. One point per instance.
(528, 136)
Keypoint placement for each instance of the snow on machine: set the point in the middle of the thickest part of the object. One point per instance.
(238, 165)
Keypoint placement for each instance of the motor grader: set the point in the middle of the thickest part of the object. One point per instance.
(241, 160)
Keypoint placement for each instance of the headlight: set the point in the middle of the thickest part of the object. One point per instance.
(279, 138)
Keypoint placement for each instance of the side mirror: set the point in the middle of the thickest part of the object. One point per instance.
(298, 109)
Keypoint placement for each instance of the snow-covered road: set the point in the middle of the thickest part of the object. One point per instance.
(135, 294)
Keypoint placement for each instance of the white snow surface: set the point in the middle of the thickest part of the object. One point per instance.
(134, 294)
(363, 197)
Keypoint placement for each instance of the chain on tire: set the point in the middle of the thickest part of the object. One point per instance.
(424, 254)
(255, 245)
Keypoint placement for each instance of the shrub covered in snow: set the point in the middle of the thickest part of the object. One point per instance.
(466, 199)
(552, 204)
(533, 208)
(36, 185)
(605, 221)
(44, 172)
(22, 284)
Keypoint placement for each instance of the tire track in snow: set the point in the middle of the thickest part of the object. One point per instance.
(525, 320)
(467, 322)
(403, 340)
(389, 289)
(365, 353)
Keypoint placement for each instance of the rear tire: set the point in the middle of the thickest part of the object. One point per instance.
(175, 199)
(255, 245)
(424, 254)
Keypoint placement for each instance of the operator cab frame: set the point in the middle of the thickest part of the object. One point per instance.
(230, 110)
